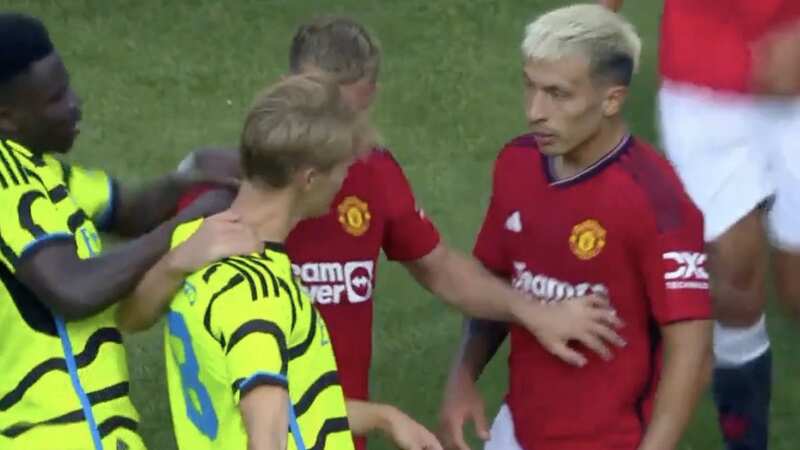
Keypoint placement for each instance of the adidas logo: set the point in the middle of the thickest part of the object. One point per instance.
(514, 222)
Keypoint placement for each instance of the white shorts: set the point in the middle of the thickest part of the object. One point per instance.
(732, 152)
(502, 432)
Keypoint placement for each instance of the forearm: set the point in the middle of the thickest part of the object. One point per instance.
(151, 297)
(460, 281)
(480, 342)
(685, 375)
(77, 288)
(365, 417)
(142, 209)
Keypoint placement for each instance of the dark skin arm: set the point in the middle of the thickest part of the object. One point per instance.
(142, 209)
(77, 288)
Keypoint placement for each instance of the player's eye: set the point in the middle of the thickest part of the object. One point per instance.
(557, 93)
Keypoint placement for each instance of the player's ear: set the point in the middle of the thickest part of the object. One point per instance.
(307, 178)
(615, 99)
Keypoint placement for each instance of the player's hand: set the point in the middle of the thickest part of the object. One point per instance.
(407, 434)
(776, 62)
(588, 320)
(219, 236)
(462, 403)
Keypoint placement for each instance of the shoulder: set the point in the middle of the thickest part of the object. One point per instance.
(379, 160)
(655, 182)
(519, 150)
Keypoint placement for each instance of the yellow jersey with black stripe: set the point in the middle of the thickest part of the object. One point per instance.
(240, 323)
(63, 385)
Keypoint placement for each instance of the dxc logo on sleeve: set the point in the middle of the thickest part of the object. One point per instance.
(685, 270)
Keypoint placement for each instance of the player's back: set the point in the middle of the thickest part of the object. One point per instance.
(608, 231)
(240, 323)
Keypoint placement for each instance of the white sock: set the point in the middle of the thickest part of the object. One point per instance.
(737, 346)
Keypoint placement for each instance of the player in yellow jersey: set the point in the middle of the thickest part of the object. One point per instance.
(248, 356)
(64, 381)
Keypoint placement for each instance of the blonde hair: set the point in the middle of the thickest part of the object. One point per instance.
(299, 122)
(339, 46)
(606, 38)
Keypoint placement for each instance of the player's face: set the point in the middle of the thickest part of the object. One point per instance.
(322, 187)
(562, 104)
(360, 94)
(43, 111)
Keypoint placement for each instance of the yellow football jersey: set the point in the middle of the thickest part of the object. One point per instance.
(63, 385)
(240, 323)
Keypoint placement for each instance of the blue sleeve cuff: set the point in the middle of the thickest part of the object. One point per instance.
(105, 220)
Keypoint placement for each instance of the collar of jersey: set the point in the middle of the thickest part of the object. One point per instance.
(608, 158)
(275, 247)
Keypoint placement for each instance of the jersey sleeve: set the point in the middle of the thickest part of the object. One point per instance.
(674, 270)
(31, 219)
(488, 245)
(94, 191)
(254, 335)
(409, 234)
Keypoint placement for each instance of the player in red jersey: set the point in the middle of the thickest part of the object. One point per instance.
(729, 113)
(336, 255)
(581, 206)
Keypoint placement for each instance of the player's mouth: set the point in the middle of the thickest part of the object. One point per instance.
(544, 139)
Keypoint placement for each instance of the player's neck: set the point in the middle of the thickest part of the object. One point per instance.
(268, 212)
(591, 150)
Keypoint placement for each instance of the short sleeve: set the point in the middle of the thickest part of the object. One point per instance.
(675, 274)
(30, 220)
(94, 191)
(488, 245)
(254, 336)
(409, 234)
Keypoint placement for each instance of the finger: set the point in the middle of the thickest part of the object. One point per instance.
(454, 434)
(609, 335)
(568, 355)
(609, 317)
(594, 344)
(481, 424)
(597, 301)
(430, 442)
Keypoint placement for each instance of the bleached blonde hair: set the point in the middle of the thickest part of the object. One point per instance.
(605, 37)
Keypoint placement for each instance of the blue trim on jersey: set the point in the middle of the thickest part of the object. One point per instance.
(298, 438)
(42, 239)
(69, 356)
(273, 375)
(103, 221)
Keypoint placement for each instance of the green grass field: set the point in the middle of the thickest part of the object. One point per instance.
(160, 77)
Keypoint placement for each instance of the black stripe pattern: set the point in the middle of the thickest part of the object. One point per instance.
(325, 381)
(104, 395)
(83, 359)
(301, 349)
(331, 426)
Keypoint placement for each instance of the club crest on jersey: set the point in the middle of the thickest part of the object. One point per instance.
(354, 215)
(587, 239)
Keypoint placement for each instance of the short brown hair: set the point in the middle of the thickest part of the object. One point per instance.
(298, 122)
(339, 46)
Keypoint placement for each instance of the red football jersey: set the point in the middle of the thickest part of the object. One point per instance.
(708, 42)
(623, 228)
